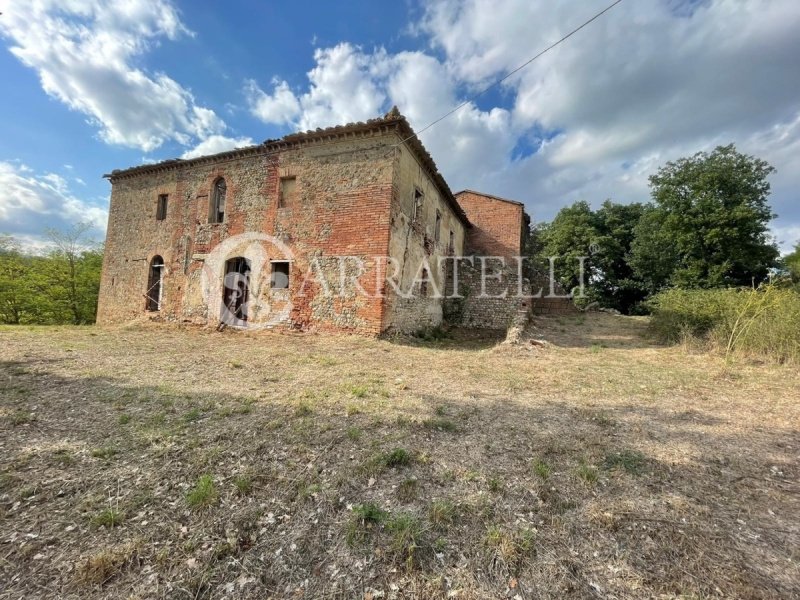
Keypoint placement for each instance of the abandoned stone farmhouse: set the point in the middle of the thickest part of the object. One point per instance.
(349, 228)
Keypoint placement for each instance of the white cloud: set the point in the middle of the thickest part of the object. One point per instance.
(344, 86)
(216, 144)
(349, 84)
(84, 52)
(281, 106)
(34, 202)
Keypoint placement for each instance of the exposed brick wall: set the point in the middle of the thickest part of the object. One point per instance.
(413, 245)
(498, 225)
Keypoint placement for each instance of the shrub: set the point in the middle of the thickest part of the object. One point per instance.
(762, 322)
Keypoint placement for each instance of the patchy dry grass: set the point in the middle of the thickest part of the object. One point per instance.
(166, 462)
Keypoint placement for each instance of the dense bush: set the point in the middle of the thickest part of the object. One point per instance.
(761, 322)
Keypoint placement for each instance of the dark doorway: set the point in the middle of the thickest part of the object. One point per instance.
(236, 288)
(154, 284)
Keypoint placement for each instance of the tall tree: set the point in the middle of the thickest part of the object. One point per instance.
(69, 277)
(567, 238)
(618, 286)
(709, 225)
(603, 237)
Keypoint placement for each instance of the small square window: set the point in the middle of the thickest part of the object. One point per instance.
(288, 192)
(161, 207)
(279, 279)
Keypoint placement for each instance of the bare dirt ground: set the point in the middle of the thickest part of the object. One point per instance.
(163, 462)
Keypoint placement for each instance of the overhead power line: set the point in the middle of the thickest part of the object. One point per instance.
(519, 68)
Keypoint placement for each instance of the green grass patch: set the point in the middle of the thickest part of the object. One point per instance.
(243, 485)
(587, 472)
(440, 424)
(408, 490)
(441, 513)
(204, 493)
(631, 461)
(108, 518)
(106, 452)
(365, 518)
(21, 417)
(542, 469)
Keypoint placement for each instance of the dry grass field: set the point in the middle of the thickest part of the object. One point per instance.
(164, 462)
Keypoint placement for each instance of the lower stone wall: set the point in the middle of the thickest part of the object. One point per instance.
(554, 306)
(496, 306)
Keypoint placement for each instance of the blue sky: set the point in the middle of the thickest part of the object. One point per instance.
(93, 85)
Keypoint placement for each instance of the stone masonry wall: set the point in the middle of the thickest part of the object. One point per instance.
(413, 246)
(492, 305)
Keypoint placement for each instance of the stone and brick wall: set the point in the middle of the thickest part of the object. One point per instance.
(341, 207)
(490, 301)
(352, 195)
(367, 191)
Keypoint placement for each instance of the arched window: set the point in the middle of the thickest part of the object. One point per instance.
(154, 284)
(217, 208)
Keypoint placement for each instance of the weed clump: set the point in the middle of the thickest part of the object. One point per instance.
(108, 518)
(203, 494)
(542, 469)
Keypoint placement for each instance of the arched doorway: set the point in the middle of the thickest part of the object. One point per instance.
(155, 286)
(235, 291)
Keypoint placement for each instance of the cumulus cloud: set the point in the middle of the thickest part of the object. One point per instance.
(281, 106)
(350, 84)
(344, 86)
(37, 201)
(649, 82)
(84, 52)
(215, 144)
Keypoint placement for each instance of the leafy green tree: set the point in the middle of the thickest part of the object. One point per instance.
(708, 226)
(74, 273)
(12, 276)
(792, 263)
(568, 237)
(604, 239)
(58, 288)
(617, 286)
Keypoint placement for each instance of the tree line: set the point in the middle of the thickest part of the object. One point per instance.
(59, 286)
(706, 226)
